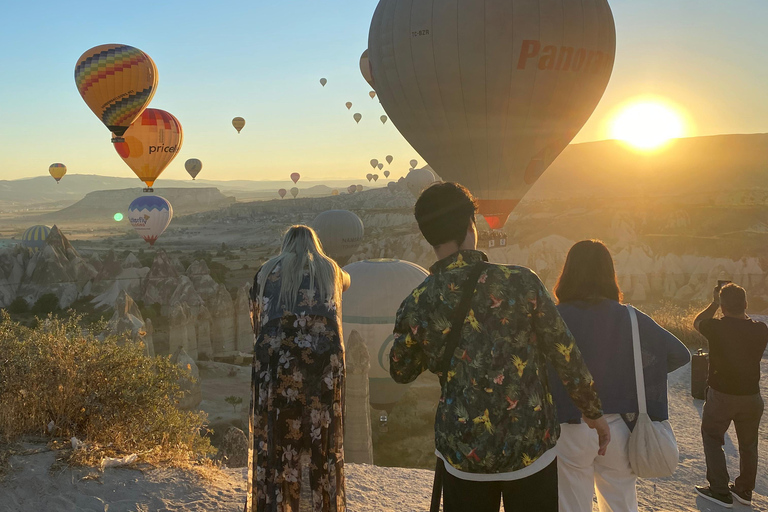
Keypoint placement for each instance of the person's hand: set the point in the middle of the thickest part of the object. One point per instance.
(603, 432)
(716, 295)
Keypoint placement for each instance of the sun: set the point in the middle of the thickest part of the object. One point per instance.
(647, 124)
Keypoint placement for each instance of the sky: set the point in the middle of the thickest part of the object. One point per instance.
(263, 61)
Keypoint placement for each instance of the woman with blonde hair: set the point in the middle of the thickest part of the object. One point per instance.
(590, 302)
(297, 399)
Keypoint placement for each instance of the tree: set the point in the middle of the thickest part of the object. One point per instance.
(19, 306)
(48, 303)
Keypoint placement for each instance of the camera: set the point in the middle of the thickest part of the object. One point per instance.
(721, 283)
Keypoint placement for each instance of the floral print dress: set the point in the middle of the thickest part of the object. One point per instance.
(297, 402)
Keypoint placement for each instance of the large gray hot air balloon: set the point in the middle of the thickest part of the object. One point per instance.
(370, 305)
(490, 92)
(341, 232)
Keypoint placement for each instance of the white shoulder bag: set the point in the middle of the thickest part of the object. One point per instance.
(653, 451)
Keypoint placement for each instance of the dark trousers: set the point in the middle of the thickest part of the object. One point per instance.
(745, 413)
(536, 493)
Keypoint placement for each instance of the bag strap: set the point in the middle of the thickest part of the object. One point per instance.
(457, 322)
(638, 357)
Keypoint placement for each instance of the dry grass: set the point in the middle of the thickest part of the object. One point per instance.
(106, 393)
(678, 319)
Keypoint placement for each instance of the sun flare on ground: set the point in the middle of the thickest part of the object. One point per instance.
(647, 124)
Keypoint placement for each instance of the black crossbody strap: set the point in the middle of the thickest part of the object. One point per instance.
(457, 321)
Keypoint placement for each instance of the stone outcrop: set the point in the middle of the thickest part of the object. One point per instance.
(243, 328)
(190, 385)
(127, 320)
(222, 311)
(233, 451)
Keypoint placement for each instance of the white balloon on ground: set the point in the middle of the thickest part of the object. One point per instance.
(341, 232)
(419, 179)
(370, 305)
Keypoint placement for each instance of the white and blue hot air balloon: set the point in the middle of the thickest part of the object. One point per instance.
(149, 216)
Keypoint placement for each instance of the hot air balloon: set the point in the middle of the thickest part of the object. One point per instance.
(150, 144)
(238, 123)
(375, 177)
(149, 216)
(372, 94)
(57, 171)
(389, 159)
(193, 167)
(282, 193)
(34, 238)
(295, 177)
(374, 163)
(341, 232)
(365, 69)
(294, 192)
(380, 166)
(357, 117)
(323, 81)
(117, 83)
(359, 188)
(369, 176)
(494, 90)
(335, 192)
(383, 119)
(370, 306)
(352, 189)
(386, 174)
(414, 163)
(349, 105)
(392, 186)
(419, 179)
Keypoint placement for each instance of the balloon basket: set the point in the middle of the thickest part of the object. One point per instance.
(148, 189)
(116, 140)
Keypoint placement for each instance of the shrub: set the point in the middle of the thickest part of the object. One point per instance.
(19, 306)
(678, 320)
(107, 393)
(46, 304)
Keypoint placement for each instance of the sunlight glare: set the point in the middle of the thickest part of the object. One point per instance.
(647, 125)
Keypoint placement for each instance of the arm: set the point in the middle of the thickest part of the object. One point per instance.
(407, 359)
(710, 311)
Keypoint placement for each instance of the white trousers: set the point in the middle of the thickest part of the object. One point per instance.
(582, 472)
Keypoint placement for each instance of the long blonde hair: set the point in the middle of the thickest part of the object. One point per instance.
(302, 251)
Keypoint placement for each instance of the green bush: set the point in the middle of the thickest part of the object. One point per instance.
(19, 306)
(46, 304)
(107, 393)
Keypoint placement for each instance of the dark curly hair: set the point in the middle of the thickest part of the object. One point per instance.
(444, 212)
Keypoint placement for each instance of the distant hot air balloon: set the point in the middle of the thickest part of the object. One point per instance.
(57, 171)
(414, 163)
(295, 177)
(365, 69)
(323, 81)
(392, 186)
(375, 177)
(193, 167)
(149, 216)
(150, 144)
(369, 176)
(359, 188)
(496, 90)
(335, 192)
(282, 193)
(419, 179)
(370, 306)
(238, 123)
(372, 94)
(349, 105)
(383, 119)
(294, 192)
(352, 189)
(340, 232)
(374, 163)
(34, 238)
(357, 117)
(386, 174)
(389, 159)
(380, 166)
(117, 82)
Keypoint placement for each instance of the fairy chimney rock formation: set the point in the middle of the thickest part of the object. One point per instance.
(244, 330)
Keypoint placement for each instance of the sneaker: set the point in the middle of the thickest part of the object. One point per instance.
(724, 500)
(743, 497)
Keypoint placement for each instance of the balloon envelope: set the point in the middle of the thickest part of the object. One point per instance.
(117, 82)
(419, 179)
(414, 163)
(359, 188)
(380, 166)
(294, 192)
(335, 192)
(365, 68)
(491, 92)
(238, 123)
(383, 119)
(357, 117)
(352, 189)
(57, 171)
(349, 105)
(282, 193)
(375, 177)
(341, 232)
(34, 238)
(295, 177)
(193, 167)
(323, 81)
(369, 176)
(374, 163)
(389, 159)
(386, 174)
(370, 305)
(150, 215)
(151, 144)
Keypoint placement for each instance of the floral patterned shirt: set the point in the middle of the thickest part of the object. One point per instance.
(496, 413)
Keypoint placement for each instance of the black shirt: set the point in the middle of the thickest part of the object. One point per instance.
(736, 347)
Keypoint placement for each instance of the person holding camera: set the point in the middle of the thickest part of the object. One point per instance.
(736, 346)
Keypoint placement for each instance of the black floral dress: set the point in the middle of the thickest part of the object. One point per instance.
(296, 403)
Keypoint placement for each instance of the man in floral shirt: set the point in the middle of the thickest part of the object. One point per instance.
(496, 424)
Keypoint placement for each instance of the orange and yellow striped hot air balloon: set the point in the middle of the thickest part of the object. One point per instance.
(57, 171)
(150, 144)
(117, 82)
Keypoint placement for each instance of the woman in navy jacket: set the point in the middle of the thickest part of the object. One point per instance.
(589, 300)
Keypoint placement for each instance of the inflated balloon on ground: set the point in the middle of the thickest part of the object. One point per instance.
(419, 179)
(340, 232)
(150, 216)
(57, 171)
